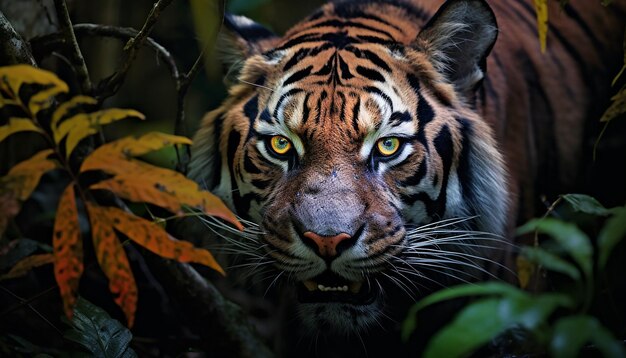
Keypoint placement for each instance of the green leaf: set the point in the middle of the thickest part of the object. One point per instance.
(575, 242)
(586, 204)
(484, 320)
(99, 335)
(550, 261)
(571, 333)
(612, 233)
(471, 289)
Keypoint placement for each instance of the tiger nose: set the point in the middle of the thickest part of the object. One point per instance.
(327, 246)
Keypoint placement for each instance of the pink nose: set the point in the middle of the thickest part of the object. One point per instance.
(327, 245)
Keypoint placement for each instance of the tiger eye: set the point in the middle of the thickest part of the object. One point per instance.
(388, 146)
(280, 145)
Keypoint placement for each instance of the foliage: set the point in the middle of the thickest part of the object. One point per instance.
(98, 334)
(502, 307)
(34, 94)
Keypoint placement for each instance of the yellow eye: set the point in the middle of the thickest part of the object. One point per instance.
(388, 146)
(280, 144)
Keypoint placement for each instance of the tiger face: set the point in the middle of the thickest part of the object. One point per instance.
(352, 148)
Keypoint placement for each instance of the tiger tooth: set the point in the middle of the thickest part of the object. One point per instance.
(355, 287)
(310, 285)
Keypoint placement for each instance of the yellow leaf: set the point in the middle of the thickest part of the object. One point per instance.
(541, 9)
(66, 107)
(22, 267)
(129, 147)
(618, 106)
(68, 249)
(24, 177)
(7, 102)
(525, 270)
(113, 261)
(18, 125)
(13, 77)
(156, 239)
(83, 125)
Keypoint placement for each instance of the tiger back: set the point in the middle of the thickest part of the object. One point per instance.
(381, 150)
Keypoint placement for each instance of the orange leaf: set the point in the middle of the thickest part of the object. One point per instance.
(68, 249)
(113, 261)
(139, 181)
(154, 238)
(25, 265)
(24, 177)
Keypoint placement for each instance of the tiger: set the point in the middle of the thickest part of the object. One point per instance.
(380, 150)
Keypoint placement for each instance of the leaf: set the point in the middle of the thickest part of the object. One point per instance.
(113, 261)
(18, 125)
(571, 238)
(550, 261)
(139, 181)
(465, 290)
(612, 233)
(68, 249)
(129, 147)
(484, 320)
(15, 251)
(25, 265)
(571, 333)
(99, 334)
(156, 239)
(65, 108)
(541, 9)
(525, 270)
(617, 107)
(13, 77)
(9, 208)
(83, 125)
(23, 178)
(586, 204)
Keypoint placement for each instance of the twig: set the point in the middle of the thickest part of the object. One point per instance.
(109, 86)
(13, 49)
(76, 57)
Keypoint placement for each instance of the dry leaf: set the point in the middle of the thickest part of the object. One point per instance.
(156, 239)
(18, 125)
(68, 249)
(113, 261)
(24, 177)
(617, 107)
(23, 266)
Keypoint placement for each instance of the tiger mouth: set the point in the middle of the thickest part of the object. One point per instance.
(331, 288)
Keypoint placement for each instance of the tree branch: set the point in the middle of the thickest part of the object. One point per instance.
(13, 49)
(76, 57)
(109, 86)
(222, 324)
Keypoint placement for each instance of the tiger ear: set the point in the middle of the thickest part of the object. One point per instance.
(241, 38)
(458, 39)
